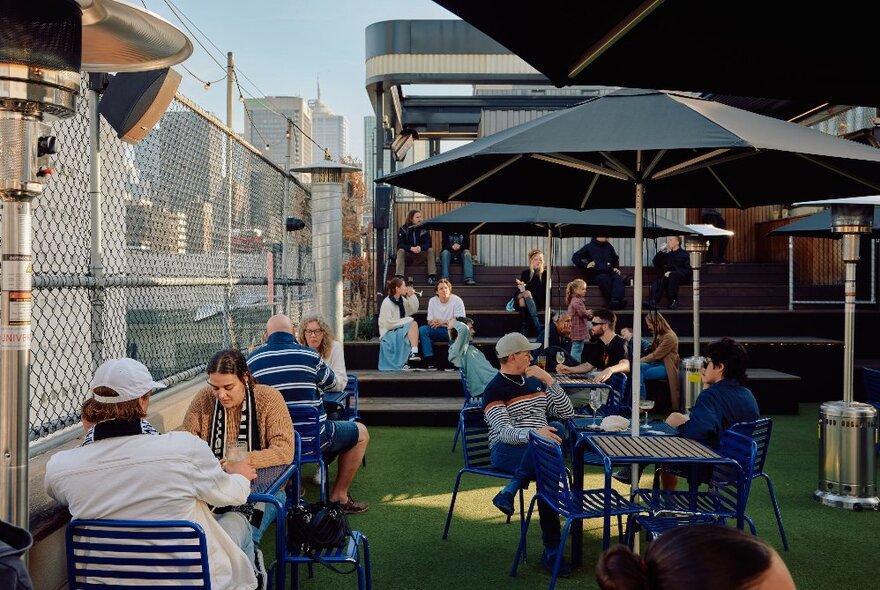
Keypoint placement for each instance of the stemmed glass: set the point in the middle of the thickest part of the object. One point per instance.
(647, 405)
(598, 397)
(560, 358)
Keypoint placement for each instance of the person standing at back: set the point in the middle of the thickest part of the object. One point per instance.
(580, 316)
(414, 247)
(600, 262)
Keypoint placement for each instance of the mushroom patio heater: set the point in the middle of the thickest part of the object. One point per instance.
(848, 429)
(43, 47)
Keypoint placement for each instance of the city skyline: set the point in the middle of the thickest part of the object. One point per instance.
(274, 45)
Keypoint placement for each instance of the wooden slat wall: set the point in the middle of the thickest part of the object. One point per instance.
(817, 261)
(429, 209)
(743, 222)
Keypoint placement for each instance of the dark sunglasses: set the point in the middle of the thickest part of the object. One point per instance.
(600, 323)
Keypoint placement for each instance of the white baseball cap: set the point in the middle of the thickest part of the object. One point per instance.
(512, 343)
(127, 377)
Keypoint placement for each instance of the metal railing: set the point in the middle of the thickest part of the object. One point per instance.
(165, 279)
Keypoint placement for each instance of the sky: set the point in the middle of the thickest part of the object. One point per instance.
(282, 46)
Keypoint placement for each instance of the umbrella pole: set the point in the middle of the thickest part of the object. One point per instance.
(635, 370)
(548, 303)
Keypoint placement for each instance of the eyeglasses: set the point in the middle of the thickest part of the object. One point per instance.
(706, 362)
(314, 332)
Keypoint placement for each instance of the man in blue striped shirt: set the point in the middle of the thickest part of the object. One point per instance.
(516, 402)
(301, 376)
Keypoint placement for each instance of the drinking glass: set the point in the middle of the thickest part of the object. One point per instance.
(542, 361)
(560, 358)
(236, 452)
(598, 397)
(646, 405)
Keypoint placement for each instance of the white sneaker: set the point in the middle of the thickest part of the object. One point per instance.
(413, 357)
(406, 368)
(260, 570)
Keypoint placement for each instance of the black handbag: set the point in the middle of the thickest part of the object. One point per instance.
(312, 527)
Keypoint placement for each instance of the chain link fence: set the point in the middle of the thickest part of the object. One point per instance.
(171, 265)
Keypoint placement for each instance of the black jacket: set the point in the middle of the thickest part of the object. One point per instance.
(675, 260)
(408, 237)
(602, 253)
(537, 285)
(454, 237)
(14, 542)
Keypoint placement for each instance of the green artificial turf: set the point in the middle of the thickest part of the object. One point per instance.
(408, 483)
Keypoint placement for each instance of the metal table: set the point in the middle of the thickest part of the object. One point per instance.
(624, 449)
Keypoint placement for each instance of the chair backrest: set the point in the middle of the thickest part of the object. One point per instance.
(306, 421)
(351, 401)
(136, 553)
(759, 431)
(468, 397)
(617, 399)
(475, 439)
(871, 378)
(731, 485)
(551, 479)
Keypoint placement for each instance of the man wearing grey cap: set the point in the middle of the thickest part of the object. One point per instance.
(126, 470)
(517, 402)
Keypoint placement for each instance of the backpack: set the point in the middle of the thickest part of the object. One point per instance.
(14, 541)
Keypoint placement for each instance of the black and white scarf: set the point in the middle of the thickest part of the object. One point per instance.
(399, 303)
(114, 428)
(248, 428)
(249, 432)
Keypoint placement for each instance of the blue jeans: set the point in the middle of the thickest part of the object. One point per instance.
(467, 263)
(269, 512)
(653, 371)
(427, 335)
(517, 460)
(239, 530)
(577, 349)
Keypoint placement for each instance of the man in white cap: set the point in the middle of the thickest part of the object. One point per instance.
(126, 470)
(517, 402)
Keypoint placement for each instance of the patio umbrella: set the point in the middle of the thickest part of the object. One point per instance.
(818, 225)
(744, 48)
(527, 220)
(648, 148)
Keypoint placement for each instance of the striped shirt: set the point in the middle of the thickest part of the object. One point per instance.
(512, 409)
(297, 371)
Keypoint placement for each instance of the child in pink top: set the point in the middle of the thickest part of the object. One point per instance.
(580, 316)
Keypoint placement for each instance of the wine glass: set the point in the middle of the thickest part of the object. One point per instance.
(598, 397)
(560, 358)
(646, 405)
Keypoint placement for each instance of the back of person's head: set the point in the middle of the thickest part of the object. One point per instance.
(231, 362)
(731, 354)
(606, 315)
(279, 323)
(713, 556)
(118, 386)
(393, 284)
(572, 287)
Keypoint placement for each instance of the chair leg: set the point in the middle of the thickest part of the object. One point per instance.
(452, 503)
(776, 511)
(457, 434)
(521, 547)
(752, 528)
(367, 570)
(522, 513)
(559, 551)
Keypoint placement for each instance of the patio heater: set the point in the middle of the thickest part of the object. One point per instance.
(848, 429)
(42, 49)
(327, 179)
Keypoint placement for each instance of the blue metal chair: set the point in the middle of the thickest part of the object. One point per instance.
(306, 421)
(759, 431)
(475, 447)
(131, 553)
(470, 401)
(617, 404)
(349, 553)
(554, 488)
(726, 497)
(351, 399)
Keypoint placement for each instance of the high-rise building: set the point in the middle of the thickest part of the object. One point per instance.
(266, 129)
(329, 131)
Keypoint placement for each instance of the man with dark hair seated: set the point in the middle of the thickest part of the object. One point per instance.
(724, 402)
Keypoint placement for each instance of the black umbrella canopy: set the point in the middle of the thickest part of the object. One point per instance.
(818, 225)
(743, 48)
(686, 151)
(527, 220)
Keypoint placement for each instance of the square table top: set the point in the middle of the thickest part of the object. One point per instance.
(654, 447)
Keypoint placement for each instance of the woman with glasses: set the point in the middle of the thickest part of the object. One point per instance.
(315, 333)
